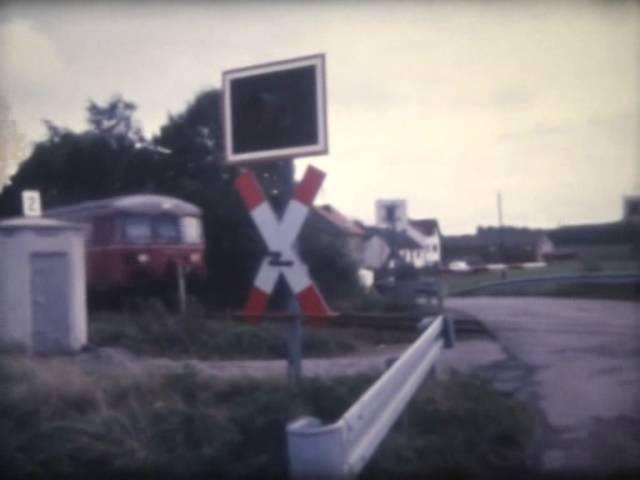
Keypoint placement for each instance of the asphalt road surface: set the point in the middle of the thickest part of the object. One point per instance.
(578, 363)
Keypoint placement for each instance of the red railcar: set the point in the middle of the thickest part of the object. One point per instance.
(136, 243)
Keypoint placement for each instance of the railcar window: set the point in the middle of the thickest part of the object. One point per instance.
(191, 230)
(166, 229)
(137, 229)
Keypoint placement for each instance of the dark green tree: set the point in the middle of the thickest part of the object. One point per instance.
(195, 171)
(69, 167)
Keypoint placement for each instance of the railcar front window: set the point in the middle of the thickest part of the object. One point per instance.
(166, 229)
(137, 229)
(191, 230)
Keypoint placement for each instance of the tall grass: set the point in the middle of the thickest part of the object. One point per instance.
(157, 333)
(61, 418)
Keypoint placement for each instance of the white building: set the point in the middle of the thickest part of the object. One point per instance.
(428, 251)
(419, 244)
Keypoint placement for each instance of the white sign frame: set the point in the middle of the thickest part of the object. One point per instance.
(321, 147)
(31, 203)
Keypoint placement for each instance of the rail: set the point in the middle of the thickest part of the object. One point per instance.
(340, 450)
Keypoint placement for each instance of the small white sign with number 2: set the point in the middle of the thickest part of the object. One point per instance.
(31, 205)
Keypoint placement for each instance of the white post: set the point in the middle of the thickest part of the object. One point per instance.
(316, 451)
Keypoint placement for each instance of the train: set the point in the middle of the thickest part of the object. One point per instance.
(138, 245)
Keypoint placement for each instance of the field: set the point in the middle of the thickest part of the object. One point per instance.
(68, 418)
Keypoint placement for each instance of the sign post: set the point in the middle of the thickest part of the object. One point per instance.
(272, 113)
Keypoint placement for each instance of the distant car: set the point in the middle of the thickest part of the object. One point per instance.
(458, 266)
(496, 267)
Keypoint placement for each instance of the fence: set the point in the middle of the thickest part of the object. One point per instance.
(340, 450)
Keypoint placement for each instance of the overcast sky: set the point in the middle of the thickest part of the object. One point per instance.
(441, 103)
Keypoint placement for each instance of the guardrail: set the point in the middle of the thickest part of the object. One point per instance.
(340, 450)
(630, 278)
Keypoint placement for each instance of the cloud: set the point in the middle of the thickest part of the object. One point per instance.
(29, 60)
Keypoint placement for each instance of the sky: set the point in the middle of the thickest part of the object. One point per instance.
(441, 103)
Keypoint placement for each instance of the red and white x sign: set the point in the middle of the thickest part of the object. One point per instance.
(279, 236)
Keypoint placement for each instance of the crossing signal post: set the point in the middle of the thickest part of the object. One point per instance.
(273, 113)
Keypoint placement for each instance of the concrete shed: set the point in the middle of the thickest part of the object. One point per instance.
(43, 306)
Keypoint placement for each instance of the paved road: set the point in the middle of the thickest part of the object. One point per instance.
(578, 362)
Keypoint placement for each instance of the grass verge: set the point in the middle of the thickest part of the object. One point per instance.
(60, 420)
(157, 333)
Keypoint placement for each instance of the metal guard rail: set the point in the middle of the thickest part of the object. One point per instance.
(342, 449)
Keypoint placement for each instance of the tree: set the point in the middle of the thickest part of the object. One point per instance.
(115, 121)
(195, 172)
(68, 167)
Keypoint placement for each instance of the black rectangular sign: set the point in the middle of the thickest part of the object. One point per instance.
(276, 110)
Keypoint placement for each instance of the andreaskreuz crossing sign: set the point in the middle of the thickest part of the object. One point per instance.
(279, 237)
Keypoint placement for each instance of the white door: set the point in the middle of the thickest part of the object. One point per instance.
(50, 302)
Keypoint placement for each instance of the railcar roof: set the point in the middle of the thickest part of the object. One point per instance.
(142, 203)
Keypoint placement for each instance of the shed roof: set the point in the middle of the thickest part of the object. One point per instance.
(27, 223)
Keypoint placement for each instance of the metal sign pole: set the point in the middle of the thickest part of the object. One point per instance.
(294, 360)
(282, 188)
(182, 291)
(280, 233)
(294, 340)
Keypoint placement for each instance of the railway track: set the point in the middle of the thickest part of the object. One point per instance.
(464, 325)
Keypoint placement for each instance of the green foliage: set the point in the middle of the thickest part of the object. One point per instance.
(69, 167)
(331, 265)
(596, 234)
(122, 421)
(458, 429)
(160, 334)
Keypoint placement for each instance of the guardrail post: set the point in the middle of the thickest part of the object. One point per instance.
(316, 451)
(448, 332)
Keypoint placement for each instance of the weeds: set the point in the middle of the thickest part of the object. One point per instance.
(158, 333)
(183, 425)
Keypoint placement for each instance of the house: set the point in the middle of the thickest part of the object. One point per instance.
(328, 221)
(498, 245)
(426, 233)
(419, 244)
(382, 241)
